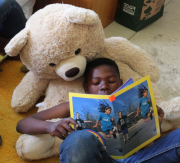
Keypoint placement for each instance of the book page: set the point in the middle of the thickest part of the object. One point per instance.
(88, 109)
(138, 129)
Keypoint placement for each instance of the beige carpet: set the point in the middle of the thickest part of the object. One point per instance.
(10, 76)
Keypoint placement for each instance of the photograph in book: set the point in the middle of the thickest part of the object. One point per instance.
(124, 121)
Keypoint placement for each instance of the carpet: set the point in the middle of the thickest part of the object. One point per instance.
(10, 77)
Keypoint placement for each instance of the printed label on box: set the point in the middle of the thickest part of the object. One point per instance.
(129, 9)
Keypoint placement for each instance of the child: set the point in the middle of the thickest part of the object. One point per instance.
(144, 103)
(101, 77)
(80, 122)
(106, 122)
(122, 123)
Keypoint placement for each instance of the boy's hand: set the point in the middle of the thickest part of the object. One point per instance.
(94, 126)
(61, 128)
(160, 114)
(136, 115)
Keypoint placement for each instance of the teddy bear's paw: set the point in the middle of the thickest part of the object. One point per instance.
(19, 146)
(166, 125)
(42, 106)
(171, 106)
(171, 110)
(35, 147)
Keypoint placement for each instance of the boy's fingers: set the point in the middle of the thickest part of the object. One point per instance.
(58, 134)
(160, 113)
(70, 120)
(67, 127)
(62, 130)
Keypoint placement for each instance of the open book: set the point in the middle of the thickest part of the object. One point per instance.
(131, 124)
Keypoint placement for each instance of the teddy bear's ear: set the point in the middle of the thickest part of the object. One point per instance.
(17, 43)
(81, 16)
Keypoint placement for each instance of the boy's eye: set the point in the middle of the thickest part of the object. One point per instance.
(97, 83)
(112, 81)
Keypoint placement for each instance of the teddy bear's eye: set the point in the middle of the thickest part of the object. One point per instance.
(52, 64)
(77, 51)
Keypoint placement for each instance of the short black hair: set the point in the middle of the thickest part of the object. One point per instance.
(100, 62)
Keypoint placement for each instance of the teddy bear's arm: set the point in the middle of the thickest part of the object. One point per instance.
(137, 59)
(28, 92)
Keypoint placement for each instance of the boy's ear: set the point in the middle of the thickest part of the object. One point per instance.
(85, 87)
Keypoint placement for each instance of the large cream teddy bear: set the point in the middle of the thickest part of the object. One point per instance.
(55, 46)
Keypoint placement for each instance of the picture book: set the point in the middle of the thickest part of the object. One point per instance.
(124, 121)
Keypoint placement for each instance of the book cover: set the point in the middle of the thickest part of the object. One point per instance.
(138, 123)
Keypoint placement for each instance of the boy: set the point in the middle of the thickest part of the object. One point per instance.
(101, 77)
(106, 122)
(80, 122)
(122, 123)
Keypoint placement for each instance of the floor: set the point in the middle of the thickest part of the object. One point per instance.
(161, 40)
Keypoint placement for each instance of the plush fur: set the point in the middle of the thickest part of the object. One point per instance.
(55, 45)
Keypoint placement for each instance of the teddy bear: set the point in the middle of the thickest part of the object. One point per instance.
(56, 45)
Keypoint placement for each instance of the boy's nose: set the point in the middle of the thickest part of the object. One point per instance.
(104, 86)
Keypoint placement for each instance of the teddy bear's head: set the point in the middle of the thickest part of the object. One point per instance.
(58, 40)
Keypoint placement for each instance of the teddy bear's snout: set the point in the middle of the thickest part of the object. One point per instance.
(71, 68)
(72, 72)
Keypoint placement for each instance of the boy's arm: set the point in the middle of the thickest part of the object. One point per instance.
(87, 121)
(37, 124)
(130, 114)
(96, 124)
(137, 112)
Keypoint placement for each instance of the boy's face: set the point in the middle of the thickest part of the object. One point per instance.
(145, 93)
(108, 111)
(77, 115)
(102, 80)
(120, 114)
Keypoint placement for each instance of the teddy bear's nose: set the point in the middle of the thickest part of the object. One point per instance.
(72, 72)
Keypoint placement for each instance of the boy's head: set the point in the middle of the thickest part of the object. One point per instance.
(77, 114)
(102, 77)
(108, 110)
(120, 113)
